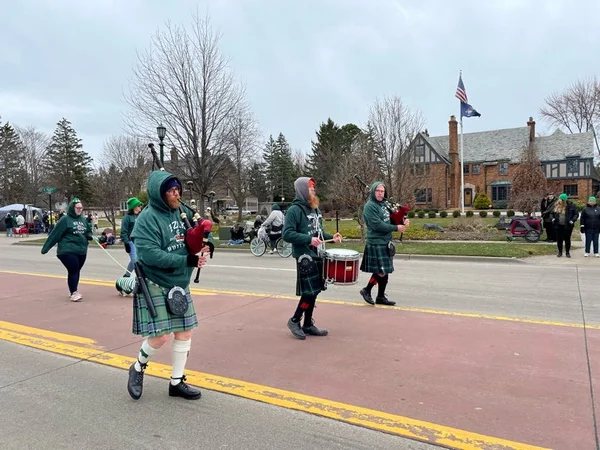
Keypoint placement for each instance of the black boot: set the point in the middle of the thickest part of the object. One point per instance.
(312, 330)
(296, 330)
(135, 385)
(184, 390)
(366, 295)
(559, 255)
(383, 300)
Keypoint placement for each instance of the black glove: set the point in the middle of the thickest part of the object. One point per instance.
(192, 260)
(127, 247)
(581, 230)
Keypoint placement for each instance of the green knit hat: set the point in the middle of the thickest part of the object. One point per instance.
(564, 197)
(592, 199)
(132, 203)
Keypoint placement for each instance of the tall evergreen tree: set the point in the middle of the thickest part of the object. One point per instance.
(12, 167)
(257, 182)
(67, 164)
(285, 173)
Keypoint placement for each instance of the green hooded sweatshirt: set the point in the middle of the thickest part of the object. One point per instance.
(159, 238)
(301, 222)
(377, 218)
(72, 233)
(127, 226)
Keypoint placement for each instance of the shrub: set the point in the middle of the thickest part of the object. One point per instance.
(411, 214)
(421, 214)
(418, 210)
(579, 205)
(456, 213)
(496, 213)
(431, 215)
(469, 213)
(443, 214)
(425, 210)
(482, 213)
(510, 213)
(435, 210)
(482, 201)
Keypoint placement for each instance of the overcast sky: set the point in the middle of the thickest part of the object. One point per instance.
(303, 61)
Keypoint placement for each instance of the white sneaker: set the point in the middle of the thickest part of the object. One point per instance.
(596, 255)
(76, 297)
(585, 255)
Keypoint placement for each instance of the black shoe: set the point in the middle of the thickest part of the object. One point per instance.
(366, 295)
(184, 390)
(296, 329)
(559, 255)
(135, 385)
(312, 330)
(568, 255)
(384, 301)
(126, 275)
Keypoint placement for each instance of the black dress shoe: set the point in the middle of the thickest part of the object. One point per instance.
(135, 385)
(184, 390)
(367, 296)
(384, 301)
(559, 255)
(312, 330)
(568, 255)
(296, 330)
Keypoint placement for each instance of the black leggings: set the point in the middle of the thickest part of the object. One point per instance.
(73, 264)
(563, 233)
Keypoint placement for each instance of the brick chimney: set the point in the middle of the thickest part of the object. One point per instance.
(531, 125)
(454, 162)
(174, 157)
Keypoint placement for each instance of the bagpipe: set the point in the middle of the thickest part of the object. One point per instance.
(197, 231)
(397, 211)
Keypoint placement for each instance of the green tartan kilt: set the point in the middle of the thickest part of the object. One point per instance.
(164, 322)
(311, 284)
(376, 259)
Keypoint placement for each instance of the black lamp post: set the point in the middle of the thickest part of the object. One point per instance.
(162, 132)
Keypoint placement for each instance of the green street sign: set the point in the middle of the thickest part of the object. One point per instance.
(48, 190)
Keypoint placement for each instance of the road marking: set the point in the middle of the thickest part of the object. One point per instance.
(207, 291)
(368, 418)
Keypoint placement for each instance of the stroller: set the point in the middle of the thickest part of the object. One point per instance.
(528, 228)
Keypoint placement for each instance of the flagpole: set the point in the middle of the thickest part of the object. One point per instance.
(462, 168)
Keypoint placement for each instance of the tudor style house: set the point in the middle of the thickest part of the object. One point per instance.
(490, 159)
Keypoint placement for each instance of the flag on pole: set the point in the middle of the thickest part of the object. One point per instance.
(466, 110)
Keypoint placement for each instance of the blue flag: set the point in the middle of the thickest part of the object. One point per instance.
(467, 110)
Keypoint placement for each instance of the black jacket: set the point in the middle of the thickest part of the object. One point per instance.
(571, 215)
(590, 218)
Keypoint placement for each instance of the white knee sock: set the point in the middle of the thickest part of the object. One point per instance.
(144, 355)
(181, 350)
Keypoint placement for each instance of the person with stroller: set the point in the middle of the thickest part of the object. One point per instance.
(274, 223)
(590, 226)
(564, 216)
(546, 209)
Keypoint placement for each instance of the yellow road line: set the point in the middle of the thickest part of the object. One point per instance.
(196, 291)
(368, 418)
(7, 326)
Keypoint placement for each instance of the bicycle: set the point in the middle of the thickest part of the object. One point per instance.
(258, 245)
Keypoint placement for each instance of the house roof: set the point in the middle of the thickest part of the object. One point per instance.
(508, 143)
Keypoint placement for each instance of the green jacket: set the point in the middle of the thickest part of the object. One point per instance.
(377, 218)
(127, 226)
(159, 238)
(72, 233)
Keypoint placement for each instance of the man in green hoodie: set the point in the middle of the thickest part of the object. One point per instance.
(377, 257)
(303, 228)
(71, 233)
(159, 236)
(134, 206)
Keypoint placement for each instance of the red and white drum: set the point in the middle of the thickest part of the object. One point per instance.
(341, 266)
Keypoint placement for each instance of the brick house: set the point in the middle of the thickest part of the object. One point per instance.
(490, 160)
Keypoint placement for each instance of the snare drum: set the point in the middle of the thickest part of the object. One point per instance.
(341, 266)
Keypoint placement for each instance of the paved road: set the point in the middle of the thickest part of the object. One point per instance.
(545, 288)
(51, 401)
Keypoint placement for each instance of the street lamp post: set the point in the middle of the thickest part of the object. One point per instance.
(162, 132)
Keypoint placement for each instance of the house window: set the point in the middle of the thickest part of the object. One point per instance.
(500, 193)
(423, 195)
(554, 170)
(572, 167)
(503, 169)
(466, 168)
(570, 190)
(420, 151)
(475, 169)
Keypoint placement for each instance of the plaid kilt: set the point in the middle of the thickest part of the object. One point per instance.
(376, 259)
(311, 284)
(164, 322)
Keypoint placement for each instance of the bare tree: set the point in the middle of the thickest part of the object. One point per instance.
(576, 109)
(183, 81)
(35, 144)
(109, 191)
(131, 156)
(300, 162)
(529, 182)
(394, 125)
(242, 136)
(348, 192)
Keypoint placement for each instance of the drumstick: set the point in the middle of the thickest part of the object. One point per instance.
(328, 241)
